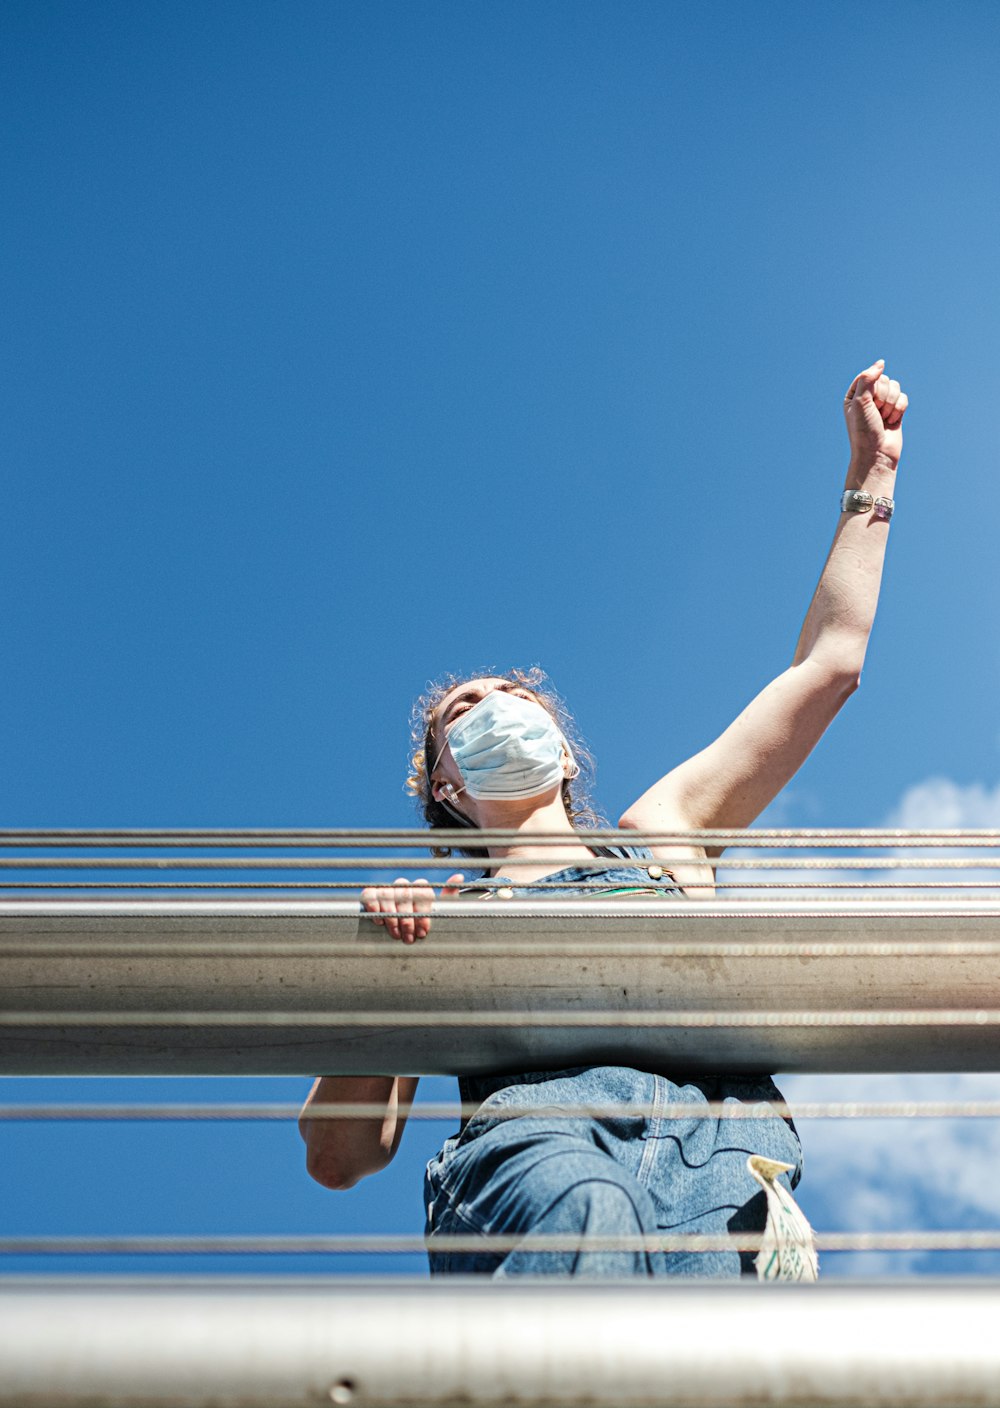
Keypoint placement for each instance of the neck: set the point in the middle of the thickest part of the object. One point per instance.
(530, 817)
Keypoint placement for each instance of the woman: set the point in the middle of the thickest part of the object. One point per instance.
(498, 753)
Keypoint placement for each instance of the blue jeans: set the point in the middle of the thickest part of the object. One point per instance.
(623, 1175)
(620, 1176)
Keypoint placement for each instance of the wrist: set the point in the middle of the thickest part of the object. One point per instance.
(875, 472)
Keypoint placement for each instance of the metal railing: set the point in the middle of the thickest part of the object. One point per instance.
(125, 964)
(892, 967)
(297, 1344)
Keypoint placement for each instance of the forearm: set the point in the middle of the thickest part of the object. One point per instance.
(340, 1150)
(731, 781)
(839, 620)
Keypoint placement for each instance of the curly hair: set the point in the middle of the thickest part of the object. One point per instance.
(575, 791)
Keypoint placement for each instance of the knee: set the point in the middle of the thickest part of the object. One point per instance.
(604, 1206)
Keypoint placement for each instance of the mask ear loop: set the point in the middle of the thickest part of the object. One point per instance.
(452, 811)
(462, 820)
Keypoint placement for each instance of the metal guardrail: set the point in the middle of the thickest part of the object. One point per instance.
(884, 960)
(801, 962)
(287, 986)
(299, 1344)
(100, 1012)
(402, 1244)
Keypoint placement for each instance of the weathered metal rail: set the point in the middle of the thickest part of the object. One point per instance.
(296, 1344)
(288, 986)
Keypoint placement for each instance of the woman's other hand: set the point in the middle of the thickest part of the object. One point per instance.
(404, 908)
(874, 408)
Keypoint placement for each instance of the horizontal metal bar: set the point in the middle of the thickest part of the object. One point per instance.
(367, 1244)
(379, 862)
(384, 950)
(358, 1244)
(452, 1110)
(293, 986)
(655, 914)
(928, 1017)
(782, 888)
(340, 837)
(288, 1344)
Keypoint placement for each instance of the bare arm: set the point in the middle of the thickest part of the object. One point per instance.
(341, 1151)
(730, 782)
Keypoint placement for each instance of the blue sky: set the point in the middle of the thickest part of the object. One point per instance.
(347, 345)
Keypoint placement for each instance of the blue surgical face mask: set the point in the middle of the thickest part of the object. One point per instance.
(508, 747)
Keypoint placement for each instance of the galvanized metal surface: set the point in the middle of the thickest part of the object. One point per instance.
(452, 1111)
(499, 985)
(304, 1344)
(411, 1244)
(341, 838)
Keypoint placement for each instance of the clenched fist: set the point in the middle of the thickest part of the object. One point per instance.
(874, 408)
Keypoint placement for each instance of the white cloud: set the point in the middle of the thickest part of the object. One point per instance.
(937, 804)
(940, 803)
(900, 1175)
(916, 1174)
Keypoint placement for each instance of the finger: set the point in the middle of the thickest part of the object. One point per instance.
(405, 910)
(886, 398)
(423, 899)
(387, 907)
(369, 902)
(864, 381)
(900, 409)
(451, 886)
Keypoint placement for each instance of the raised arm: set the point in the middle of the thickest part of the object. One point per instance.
(730, 782)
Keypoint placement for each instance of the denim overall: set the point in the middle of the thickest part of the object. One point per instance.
(612, 1176)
